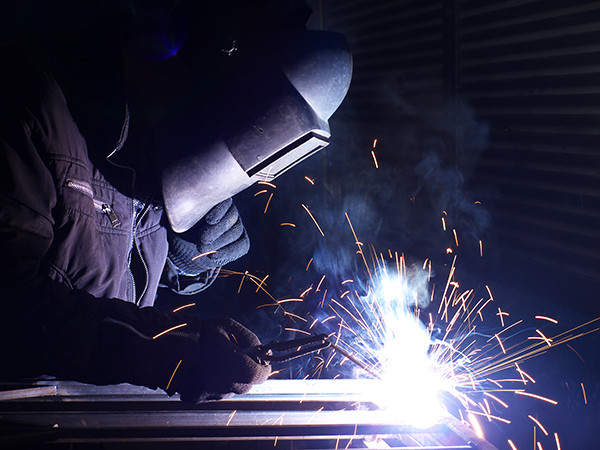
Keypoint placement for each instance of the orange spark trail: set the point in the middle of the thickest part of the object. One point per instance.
(230, 417)
(539, 397)
(266, 183)
(537, 422)
(320, 282)
(374, 159)
(189, 305)
(547, 318)
(313, 218)
(169, 330)
(261, 283)
(171, 379)
(268, 202)
(212, 252)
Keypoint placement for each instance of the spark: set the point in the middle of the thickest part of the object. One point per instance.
(297, 330)
(189, 305)
(287, 300)
(455, 236)
(557, 441)
(375, 159)
(480, 249)
(512, 446)
(576, 353)
(288, 224)
(537, 422)
(313, 218)
(374, 143)
(496, 399)
(261, 283)
(502, 314)
(320, 282)
(230, 417)
(542, 337)
(311, 181)
(584, 396)
(539, 397)
(266, 183)
(549, 319)
(268, 202)
(309, 263)
(242, 282)
(162, 333)
(212, 252)
(292, 315)
(173, 375)
(500, 419)
(264, 191)
(305, 293)
(524, 374)
(475, 424)
(501, 345)
(444, 223)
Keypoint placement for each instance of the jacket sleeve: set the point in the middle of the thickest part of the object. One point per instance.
(46, 327)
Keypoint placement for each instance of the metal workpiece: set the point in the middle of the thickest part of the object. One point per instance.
(311, 414)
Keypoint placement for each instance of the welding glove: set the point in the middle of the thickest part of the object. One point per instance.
(219, 367)
(201, 360)
(220, 237)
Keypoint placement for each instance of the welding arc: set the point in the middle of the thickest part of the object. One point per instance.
(355, 360)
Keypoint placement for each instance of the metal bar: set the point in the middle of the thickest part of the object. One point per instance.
(286, 410)
(41, 391)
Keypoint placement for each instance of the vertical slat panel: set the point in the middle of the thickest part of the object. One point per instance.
(532, 68)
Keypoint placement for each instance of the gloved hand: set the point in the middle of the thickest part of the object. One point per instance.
(220, 231)
(219, 367)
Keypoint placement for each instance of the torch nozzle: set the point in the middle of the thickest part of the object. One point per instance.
(277, 351)
(353, 359)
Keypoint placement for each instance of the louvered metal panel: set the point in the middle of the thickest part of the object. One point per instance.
(532, 68)
(390, 40)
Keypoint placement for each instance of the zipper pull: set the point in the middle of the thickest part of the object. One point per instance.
(106, 209)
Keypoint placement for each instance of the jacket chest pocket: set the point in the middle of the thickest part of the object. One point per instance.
(106, 210)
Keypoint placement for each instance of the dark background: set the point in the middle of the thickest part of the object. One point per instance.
(486, 114)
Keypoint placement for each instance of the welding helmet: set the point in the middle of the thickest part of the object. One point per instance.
(269, 114)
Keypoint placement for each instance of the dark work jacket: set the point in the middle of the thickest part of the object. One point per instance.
(70, 244)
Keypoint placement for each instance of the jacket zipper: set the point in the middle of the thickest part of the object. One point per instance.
(86, 189)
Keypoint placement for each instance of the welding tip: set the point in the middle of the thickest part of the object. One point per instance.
(354, 359)
(276, 351)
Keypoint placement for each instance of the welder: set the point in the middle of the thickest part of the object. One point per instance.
(122, 141)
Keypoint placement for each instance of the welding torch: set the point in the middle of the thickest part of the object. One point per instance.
(284, 351)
